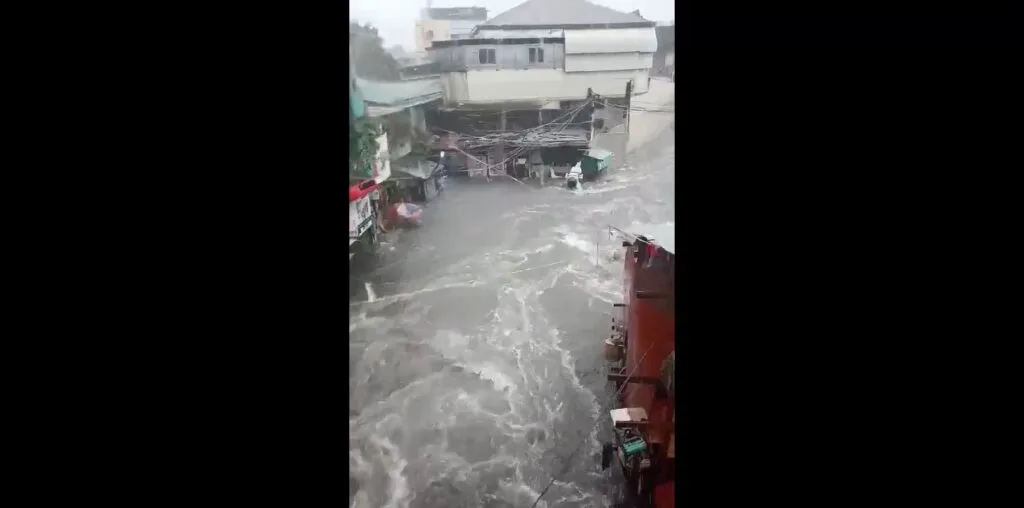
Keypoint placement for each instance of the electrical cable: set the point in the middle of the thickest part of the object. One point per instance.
(637, 107)
(571, 113)
(521, 149)
(568, 462)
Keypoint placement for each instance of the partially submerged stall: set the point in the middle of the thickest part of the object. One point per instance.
(398, 110)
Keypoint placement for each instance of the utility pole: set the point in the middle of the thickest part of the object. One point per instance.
(501, 140)
(529, 160)
(590, 96)
(629, 103)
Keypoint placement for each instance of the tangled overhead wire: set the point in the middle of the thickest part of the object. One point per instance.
(642, 108)
(528, 138)
(550, 134)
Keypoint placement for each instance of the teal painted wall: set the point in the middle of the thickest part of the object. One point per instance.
(356, 106)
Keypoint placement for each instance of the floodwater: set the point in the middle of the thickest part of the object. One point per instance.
(476, 342)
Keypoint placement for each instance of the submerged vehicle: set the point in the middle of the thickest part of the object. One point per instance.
(641, 354)
(406, 214)
(574, 178)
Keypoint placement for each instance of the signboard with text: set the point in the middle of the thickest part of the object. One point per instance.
(360, 217)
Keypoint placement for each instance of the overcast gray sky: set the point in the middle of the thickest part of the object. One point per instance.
(395, 18)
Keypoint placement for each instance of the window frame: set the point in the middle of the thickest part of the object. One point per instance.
(535, 55)
(493, 52)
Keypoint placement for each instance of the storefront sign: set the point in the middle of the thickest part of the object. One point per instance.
(360, 217)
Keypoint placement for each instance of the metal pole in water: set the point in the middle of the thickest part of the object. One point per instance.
(629, 103)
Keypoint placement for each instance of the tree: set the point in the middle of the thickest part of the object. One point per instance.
(370, 58)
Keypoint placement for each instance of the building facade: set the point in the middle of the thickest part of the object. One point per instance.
(521, 90)
(543, 50)
(443, 24)
(665, 56)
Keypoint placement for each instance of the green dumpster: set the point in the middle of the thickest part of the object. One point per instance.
(595, 162)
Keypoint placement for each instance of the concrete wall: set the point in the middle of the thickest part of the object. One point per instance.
(381, 164)
(613, 136)
(644, 127)
(486, 87)
(506, 56)
(611, 40)
(608, 62)
(441, 29)
(561, 76)
(461, 28)
(399, 140)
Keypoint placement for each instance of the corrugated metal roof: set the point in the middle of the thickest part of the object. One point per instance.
(453, 13)
(399, 93)
(598, 153)
(561, 12)
(499, 33)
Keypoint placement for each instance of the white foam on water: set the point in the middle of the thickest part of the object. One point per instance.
(400, 296)
(577, 241)
(391, 457)
(513, 353)
(376, 412)
(603, 189)
(370, 295)
(607, 288)
(494, 375)
(362, 500)
(519, 494)
(362, 322)
(543, 248)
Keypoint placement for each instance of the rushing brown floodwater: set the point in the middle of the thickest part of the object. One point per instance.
(477, 369)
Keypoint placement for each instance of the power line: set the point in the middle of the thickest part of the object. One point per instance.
(568, 461)
(641, 108)
(572, 112)
(521, 149)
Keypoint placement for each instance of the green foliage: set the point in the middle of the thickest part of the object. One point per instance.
(363, 146)
(369, 57)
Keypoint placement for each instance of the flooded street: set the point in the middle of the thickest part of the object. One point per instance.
(476, 341)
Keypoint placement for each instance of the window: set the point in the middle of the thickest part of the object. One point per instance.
(536, 55)
(486, 56)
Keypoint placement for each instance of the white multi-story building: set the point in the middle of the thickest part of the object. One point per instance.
(545, 51)
(444, 24)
